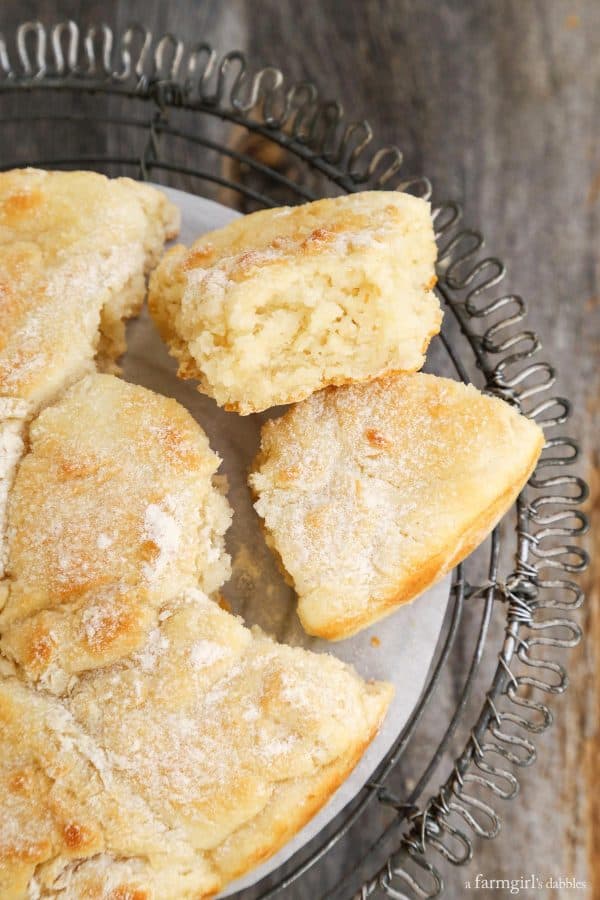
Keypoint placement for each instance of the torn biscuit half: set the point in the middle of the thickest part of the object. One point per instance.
(283, 302)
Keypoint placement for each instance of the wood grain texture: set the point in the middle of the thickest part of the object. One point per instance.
(499, 103)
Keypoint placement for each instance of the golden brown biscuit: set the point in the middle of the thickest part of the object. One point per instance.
(371, 493)
(70, 825)
(286, 301)
(74, 251)
(112, 512)
(177, 768)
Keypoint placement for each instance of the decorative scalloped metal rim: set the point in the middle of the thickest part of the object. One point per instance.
(171, 74)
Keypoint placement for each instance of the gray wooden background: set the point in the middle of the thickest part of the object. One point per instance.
(498, 101)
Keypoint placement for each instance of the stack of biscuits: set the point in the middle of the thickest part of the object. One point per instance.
(151, 745)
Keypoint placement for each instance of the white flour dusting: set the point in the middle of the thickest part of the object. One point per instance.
(205, 653)
(164, 531)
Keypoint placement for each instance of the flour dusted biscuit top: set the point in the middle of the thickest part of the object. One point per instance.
(113, 510)
(371, 493)
(74, 251)
(169, 773)
(70, 827)
(286, 301)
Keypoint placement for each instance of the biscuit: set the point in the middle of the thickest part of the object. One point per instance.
(178, 768)
(74, 251)
(371, 493)
(151, 746)
(113, 510)
(283, 302)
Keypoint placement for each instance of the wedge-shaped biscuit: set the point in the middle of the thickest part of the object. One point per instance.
(286, 301)
(166, 775)
(74, 250)
(113, 511)
(371, 493)
(69, 820)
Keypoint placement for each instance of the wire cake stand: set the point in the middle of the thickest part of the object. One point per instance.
(176, 113)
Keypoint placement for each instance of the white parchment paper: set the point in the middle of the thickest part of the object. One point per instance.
(399, 649)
